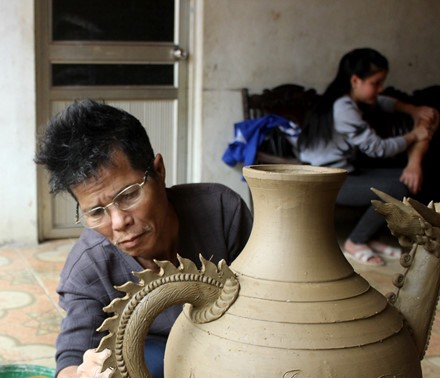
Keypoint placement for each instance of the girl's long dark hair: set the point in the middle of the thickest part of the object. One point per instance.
(318, 124)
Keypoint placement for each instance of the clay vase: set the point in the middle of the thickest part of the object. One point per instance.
(302, 311)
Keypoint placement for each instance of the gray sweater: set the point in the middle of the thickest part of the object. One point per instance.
(214, 221)
(352, 133)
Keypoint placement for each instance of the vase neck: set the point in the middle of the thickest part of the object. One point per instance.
(293, 236)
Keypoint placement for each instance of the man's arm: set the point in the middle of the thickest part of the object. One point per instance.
(78, 328)
(87, 284)
(425, 113)
(412, 175)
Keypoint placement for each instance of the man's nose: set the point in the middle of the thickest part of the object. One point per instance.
(119, 218)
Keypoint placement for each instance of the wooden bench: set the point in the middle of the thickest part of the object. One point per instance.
(290, 101)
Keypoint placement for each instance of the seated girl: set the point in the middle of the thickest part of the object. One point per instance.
(335, 132)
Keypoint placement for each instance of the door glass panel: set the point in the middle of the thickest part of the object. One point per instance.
(112, 74)
(113, 20)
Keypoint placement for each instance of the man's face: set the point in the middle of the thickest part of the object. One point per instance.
(143, 231)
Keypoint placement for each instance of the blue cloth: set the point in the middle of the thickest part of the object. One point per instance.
(154, 352)
(249, 134)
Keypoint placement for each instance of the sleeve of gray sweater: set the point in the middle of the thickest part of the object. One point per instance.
(358, 133)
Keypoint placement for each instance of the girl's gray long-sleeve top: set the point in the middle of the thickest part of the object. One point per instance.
(352, 133)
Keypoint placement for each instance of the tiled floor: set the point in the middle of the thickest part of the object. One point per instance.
(30, 317)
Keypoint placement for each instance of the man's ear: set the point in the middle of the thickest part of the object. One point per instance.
(159, 168)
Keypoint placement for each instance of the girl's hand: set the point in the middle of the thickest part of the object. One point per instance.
(92, 364)
(431, 126)
(427, 114)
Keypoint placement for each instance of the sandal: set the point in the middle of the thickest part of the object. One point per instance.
(392, 253)
(363, 256)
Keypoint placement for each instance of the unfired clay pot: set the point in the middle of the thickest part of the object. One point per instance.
(289, 306)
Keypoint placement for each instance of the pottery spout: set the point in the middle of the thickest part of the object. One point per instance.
(417, 227)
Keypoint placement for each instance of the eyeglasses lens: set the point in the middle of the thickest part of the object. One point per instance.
(129, 197)
(125, 200)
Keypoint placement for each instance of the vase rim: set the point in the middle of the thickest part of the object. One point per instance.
(290, 170)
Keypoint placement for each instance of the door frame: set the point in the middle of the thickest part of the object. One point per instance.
(188, 75)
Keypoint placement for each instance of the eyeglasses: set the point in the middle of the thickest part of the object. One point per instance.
(126, 199)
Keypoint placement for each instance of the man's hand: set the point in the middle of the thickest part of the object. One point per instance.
(68, 372)
(412, 177)
(92, 364)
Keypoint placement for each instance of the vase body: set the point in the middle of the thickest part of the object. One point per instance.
(302, 311)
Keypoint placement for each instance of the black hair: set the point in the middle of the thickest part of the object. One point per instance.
(81, 139)
(318, 125)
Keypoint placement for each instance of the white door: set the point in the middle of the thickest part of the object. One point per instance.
(129, 53)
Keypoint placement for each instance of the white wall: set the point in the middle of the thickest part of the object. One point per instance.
(244, 43)
(18, 215)
(261, 44)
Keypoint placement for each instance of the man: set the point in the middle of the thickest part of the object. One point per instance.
(102, 156)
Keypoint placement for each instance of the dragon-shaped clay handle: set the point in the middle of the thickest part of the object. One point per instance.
(417, 227)
(209, 293)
